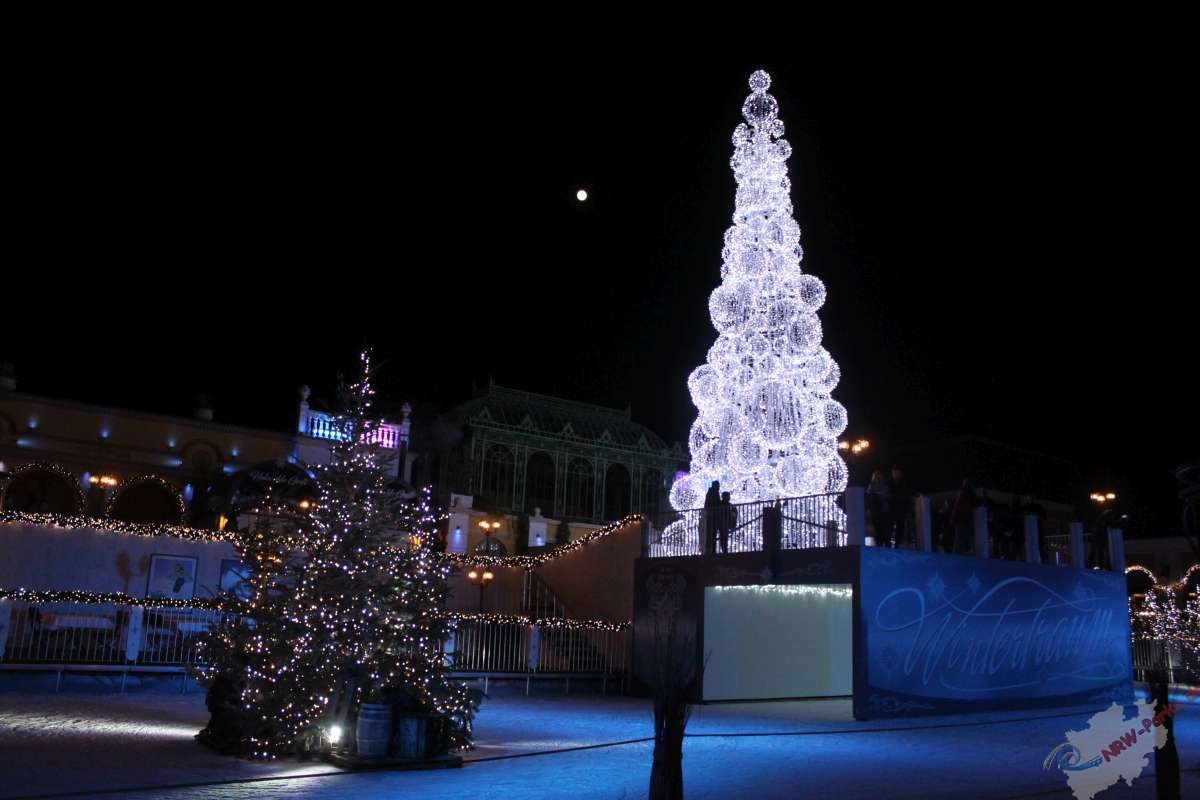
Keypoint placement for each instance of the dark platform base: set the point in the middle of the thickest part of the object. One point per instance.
(933, 633)
(354, 762)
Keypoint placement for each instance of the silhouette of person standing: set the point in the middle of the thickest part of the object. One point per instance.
(726, 520)
(708, 517)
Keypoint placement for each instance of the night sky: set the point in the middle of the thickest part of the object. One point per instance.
(1004, 235)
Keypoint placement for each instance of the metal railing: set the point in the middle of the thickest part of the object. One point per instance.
(538, 600)
(323, 426)
(128, 637)
(1056, 550)
(800, 522)
(512, 647)
(83, 633)
(1155, 655)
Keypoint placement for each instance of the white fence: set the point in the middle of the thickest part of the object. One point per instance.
(85, 633)
(513, 647)
(126, 636)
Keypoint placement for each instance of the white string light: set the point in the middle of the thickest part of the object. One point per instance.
(841, 592)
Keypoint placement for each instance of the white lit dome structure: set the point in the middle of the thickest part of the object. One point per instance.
(768, 427)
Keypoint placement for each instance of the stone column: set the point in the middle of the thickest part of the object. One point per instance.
(1033, 552)
(981, 533)
(856, 515)
(924, 512)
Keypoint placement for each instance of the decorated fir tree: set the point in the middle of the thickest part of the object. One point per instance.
(767, 425)
(348, 610)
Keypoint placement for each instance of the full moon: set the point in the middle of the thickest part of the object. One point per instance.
(581, 195)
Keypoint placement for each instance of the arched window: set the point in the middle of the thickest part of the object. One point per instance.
(652, 489)
(147, 501)
(539, 484)
(490, 545)
(43, 488)
(498, 476)
(580, 489)
(617, 485)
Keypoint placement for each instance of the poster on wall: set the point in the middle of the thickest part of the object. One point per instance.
(944, 634)
(172, 577)
(235, 578)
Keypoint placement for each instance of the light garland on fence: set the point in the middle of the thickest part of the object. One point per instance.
(528, 562)
(544, 622)
(233, 604)
(136, 480)
(149, 529)
(115, 598)
(154, 529)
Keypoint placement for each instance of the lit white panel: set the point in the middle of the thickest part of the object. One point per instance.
(764, 642)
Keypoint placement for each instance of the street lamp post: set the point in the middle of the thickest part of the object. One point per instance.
(483, 578)
(489, 529)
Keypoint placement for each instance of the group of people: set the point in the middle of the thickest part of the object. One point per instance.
(718, 519)
(890, 509)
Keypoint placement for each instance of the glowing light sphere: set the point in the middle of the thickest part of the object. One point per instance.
(581, 195)
(767, 426)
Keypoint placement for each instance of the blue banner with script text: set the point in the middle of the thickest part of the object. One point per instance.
(945, 633)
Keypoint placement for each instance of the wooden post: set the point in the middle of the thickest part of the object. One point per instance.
(856, 515)
(1033, 552)
(924, 523)
(981, 533)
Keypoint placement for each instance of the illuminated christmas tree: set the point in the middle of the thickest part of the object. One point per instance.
(767, 426)
(351, 608)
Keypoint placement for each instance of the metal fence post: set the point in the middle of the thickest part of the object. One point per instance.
(133, 633)
(856, 515)
(1033, 551)
(5, 614)
(535, 642)
(448, 648)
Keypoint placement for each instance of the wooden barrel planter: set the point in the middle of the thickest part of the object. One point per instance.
(420, 736)
(373, 734)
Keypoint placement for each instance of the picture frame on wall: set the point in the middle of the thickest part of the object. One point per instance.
(235, 579)
(171, 577)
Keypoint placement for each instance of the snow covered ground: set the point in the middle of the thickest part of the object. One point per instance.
(139, 745)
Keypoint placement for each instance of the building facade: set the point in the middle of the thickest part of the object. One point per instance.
(519, 452)
(66, 457)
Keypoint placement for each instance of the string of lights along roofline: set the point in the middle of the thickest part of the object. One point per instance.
(69, 522)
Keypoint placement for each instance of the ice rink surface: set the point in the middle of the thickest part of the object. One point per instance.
(139, 745)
